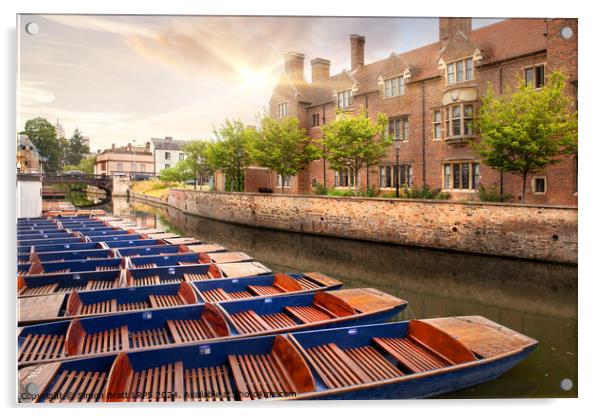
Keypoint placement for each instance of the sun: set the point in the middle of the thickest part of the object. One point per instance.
(256, 79)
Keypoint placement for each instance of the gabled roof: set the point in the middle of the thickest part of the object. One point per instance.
(499, 41)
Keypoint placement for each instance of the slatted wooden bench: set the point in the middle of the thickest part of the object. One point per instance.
(281, 371)
(185, 296)
(133, 306)
(110, 340)
(188, 263)
(282, 283)
(411, 354)
(207, 384)
(249, 322)
(309, 314)
(308, 284)
(102, 284)
(212, 324)
(265, 290)
(146, 281)
(215, 295)
(40, 290)
(243, 294)
(61, 271)
(149, 338)
(335, 368)
(195, 277)
(374, 364)
(145, 266)
(78, 386)
(278, 320)
(37, 347)
(163, 383)
(98, 308)
(106, 268)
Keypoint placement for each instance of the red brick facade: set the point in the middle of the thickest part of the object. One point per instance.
(498, 55)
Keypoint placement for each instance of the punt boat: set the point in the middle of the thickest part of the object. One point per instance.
(60, 247)
(80, 303)
(74, 265)
(400, 360)
(50, 284)
(134, 243)
(159, 250)
(203, 323)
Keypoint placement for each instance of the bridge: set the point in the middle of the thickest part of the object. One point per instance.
(103, 182)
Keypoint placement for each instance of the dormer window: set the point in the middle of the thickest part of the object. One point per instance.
(460, 71)
(394, 87)
(344, 99)
(282, 110)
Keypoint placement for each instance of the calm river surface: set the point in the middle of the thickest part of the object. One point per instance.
(537, 299)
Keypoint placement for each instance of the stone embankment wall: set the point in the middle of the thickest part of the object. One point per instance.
(529, 232)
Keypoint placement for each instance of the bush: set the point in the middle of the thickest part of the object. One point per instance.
(418, 193)
(320, 189)
(493, 194)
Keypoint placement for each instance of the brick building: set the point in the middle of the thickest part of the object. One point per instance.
(125, 160)
(430, 95)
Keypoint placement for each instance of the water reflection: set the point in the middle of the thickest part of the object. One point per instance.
(537, 299)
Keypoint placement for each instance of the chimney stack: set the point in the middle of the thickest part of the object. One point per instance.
(293, 65)
(148, 144)
(112, 146)
(320, 69)
(448, 26)
(129, 147)
(357, 50)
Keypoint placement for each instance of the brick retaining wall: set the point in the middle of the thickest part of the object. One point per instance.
(530, 232)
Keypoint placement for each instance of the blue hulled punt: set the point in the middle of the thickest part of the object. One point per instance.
(79, 303)
(203, 323)
(66, 266)
(401, 360)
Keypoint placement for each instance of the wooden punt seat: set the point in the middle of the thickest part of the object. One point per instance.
(185, 296)
(187, 263)
(211, 324)
(37, 347)
(61, 271)
(309, 314)
(249, 322)
(149, 338)
(110, 340)
(77, 386)
(39, 290)
(102, 284)
(411, 354)
(373, 363)
(215, 295)
(132, 306)
(145, 266)
(281, 372)
(335, 367)
(106, 268)
(425, 347)
(195, 277)
(278, 320)
(208, 384)
(146, 281)
(325, 306)
(98, 307)
(308, 284)
(240, 295)
(282, 283)
(164, 383)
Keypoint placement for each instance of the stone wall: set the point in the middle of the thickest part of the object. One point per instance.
(530, 232)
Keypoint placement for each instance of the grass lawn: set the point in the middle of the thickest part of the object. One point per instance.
(158, 188)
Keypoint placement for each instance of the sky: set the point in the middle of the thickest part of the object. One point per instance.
(125, 78)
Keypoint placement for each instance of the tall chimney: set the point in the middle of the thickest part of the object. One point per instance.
(293, 65)
(357, 50)
(320, 69)
(113, 146)
(448, 26)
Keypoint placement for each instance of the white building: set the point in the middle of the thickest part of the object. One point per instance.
(167, 153)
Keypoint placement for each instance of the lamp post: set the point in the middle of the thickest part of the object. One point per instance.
(238, 157)
(397, 146)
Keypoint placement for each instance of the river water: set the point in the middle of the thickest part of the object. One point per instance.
(534, 298)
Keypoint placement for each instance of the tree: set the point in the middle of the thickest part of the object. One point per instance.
(282, 146)
(179, 173)
(352, 142)
(196, 157)
(43, 135)
(77, 148)
(85, 165)
(524, 131)
(230, 152)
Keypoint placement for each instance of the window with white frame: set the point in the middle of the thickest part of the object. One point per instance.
(437, 124)
(535, 76)
(394, 87)
(344, 99)
(399, 128)
(540, 185)
(181, 156)
(389, 173)
(282, 110)
(167, 156)
(142, 167)
(460, 71)
(461, 175)
(460, 120)
(120, 166)
(344, 179)
(133, 167)
(283, 179)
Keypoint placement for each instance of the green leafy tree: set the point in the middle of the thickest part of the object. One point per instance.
(85, 165)
(43, 135)
(230, 152)
(196, 157)
(525, 130)
(76, 149)
(352, 142)
(282, 146)
(179, 173)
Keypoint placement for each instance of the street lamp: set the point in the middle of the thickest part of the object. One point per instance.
(397, 146)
